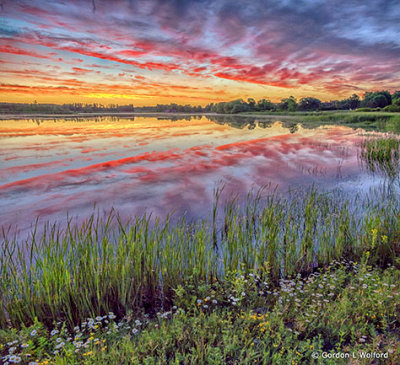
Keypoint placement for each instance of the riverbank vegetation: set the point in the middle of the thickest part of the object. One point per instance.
(270, 278)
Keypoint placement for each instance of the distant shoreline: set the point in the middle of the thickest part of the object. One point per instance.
(129, 114)
(258, 115)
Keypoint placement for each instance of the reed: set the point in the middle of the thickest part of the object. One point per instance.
(106, 265)
(381, 155)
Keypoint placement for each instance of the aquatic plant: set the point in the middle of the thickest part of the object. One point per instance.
(106, 265)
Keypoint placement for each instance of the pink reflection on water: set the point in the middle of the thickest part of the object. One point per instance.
(159, 166)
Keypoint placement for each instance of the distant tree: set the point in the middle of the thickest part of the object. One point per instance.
(353, 102)
(264, 104)
(377, 99)
(251, 103)
(289, 104)
(396, 98)
(310, 104)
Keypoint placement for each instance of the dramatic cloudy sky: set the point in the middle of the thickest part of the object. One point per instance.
(196, 51)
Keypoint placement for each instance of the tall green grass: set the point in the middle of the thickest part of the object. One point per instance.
(382, 155)
(106, 265)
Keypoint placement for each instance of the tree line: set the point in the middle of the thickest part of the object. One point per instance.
(36, 108)
(372, 101)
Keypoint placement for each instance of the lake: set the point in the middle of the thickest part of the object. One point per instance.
(54, 168)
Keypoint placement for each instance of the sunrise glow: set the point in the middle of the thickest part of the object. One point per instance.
(197, 52)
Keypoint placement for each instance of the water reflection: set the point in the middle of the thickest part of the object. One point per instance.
(158, 164)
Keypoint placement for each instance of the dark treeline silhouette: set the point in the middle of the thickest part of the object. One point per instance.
(36, 108)
(372, 101)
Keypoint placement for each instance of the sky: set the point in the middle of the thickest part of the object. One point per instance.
(196, 51)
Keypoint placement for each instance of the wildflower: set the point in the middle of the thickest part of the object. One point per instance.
(134, 331)
(58, 340)
(362, 340)
(207, 299)
(111, 315)
(214, 301)
(33, 333)
(24, 345)
(55, 352)
(138, 323)
(33, 363)
(99, 319)
(199, 301)
(54, 332)
(205, 306)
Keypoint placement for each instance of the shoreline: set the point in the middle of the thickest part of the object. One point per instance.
(128, 114)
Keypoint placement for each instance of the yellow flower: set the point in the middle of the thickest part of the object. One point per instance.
(384, 238)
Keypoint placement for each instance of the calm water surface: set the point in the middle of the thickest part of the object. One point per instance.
(149, 164)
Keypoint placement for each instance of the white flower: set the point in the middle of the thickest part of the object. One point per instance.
(134, 331)
(24, 345)
(33, 333)
(205, 306)
(98, 319)
(214, 301)
(54, 332)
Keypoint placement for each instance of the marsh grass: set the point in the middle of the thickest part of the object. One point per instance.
(381, 155)
(106, 265)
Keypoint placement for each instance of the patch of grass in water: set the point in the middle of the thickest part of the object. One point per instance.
(381, 155)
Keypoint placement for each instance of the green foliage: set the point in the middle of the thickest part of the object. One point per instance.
(105, 265)
(288, 104)
(344, 307)
(382, 154)
(368, 110)
(309, 104)
(378, 99)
